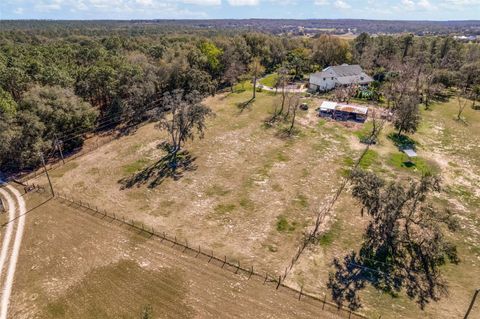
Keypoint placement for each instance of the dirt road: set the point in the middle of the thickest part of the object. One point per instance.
(10, 250)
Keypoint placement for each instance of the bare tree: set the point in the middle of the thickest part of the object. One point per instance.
(429, 88)
(255, 69)
(345, 93)
(462, 104)
(233, 72)
(406, 115)
(282, 80)
(377, 126)
(475, 96)
(185, 114)
(293, 105)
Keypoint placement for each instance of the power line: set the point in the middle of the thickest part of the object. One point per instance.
(107, 120)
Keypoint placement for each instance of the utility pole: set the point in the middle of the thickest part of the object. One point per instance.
(472, 303)
(48, 176)
(58, 145)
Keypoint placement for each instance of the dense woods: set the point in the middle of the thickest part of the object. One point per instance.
(61, 80)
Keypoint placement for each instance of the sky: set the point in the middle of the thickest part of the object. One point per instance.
(239, 9)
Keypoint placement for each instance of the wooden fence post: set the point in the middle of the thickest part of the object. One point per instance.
(211, 256)
(266, 275)
(300, 294)
(225, 261)
(198, 253)
(279, 280)
(324, 301)
(251, 273)
(186, 245)
(472, 303)
(238, 267)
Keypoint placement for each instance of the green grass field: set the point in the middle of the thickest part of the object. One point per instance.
(269, 80)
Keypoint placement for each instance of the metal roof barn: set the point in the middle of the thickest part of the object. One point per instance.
(343, 112)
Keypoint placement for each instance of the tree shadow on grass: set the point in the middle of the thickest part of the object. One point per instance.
(166, 167)
(351, 276)
(347, 281)
(244, 105)
(402, 141)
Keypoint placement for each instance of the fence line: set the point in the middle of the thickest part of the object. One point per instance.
(220, 260)
(322, 213)
(80, 151)
(74, 154)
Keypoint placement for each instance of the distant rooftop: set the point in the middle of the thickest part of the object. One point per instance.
(344, 74)
(349, 108)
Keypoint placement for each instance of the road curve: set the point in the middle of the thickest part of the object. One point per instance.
(9, 229)
(19, 220)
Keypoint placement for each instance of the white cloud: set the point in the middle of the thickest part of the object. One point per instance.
(203, 2)
(144, 2)
(18, 11)
(321, 2)
(462, 2)
(283, 2)
(340, 4)
(237, 3)
(425, 4)
(126, 9)
(408, 4)
(47, 6)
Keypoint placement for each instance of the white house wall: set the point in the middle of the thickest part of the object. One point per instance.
(322, 85)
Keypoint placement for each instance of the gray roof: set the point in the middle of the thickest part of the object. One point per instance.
(346, 74)
(345, 70)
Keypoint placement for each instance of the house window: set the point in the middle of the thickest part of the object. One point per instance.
(332, 77)
(324, 79)
(361, 78)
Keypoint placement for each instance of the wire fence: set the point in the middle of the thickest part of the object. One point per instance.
(56, 163)
(222, 261)
(322, 213)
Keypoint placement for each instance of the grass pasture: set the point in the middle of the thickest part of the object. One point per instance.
(251, 193)
(270, 80)
(76, 265)
(245, 179)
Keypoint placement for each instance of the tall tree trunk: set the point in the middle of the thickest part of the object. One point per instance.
(283, 101)
(254, 86)
(293, 120)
